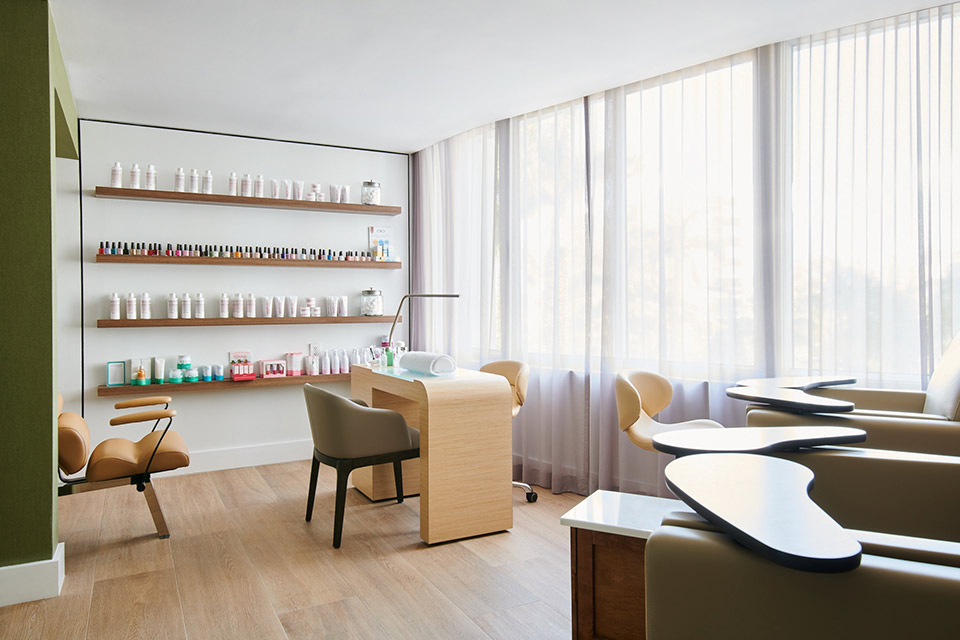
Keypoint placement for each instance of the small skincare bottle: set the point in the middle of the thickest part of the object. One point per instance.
(185, 306)
(151, 177)
(179, 178)
(246, 186)
(135, 177)
(224, 306)
(208, 181)
(114, 306)
(116, 175)
(237, 306)
(198, 310)
(251, 308)
(131, 307)
(194, 181)
(145, 306)
(232, 185)
(258, 186)
(172, 306)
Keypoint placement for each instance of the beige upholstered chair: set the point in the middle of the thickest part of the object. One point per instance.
(642, 395)
(899, 506)
(119, 461)
(919, 421)
(518, 375)
(348, 435)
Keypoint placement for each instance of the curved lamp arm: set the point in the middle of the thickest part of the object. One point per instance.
(415, 295)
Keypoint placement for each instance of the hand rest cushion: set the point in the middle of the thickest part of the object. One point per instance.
(426, 362)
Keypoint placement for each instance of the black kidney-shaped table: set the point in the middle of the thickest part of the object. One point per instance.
(790, 393)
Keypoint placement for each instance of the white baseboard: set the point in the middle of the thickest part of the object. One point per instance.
(249, 456)
(32, 580)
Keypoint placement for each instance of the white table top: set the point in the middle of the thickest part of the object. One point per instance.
(624, 514)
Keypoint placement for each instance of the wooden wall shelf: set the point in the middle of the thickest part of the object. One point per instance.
(242, 201)
(243, 322)
(216, 385)
(250, 262)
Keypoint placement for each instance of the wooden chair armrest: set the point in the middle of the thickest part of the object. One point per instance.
(142, 402)
(143, 416)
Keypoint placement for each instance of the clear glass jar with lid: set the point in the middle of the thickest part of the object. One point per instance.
(370, 192)
(371, 302)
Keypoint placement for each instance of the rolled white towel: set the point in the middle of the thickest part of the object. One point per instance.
(425, 362)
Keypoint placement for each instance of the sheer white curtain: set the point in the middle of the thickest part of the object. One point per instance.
(621, 235)
(873, 138)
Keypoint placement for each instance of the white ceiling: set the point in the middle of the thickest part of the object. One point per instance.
(395, 75)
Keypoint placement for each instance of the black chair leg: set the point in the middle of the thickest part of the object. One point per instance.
(343, 471)
(314, 471)
(398, 478)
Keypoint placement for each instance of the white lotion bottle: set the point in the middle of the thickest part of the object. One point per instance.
(335, 362)
(116, 176)
(179, 180)
(194, 181)
(237, 306)
(114, 306)
(258, 186)
(131, 307)
(232, 184)
(198, 310)
(186, 306)
(172, 306)
(151, 177)
(251, 306)
(246, 186)
(145, 306)
(224, 306)
(135, 177)
(208, 181)
(325, 363)
(344, 362)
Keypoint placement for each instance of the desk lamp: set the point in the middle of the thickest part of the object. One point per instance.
(397, 316)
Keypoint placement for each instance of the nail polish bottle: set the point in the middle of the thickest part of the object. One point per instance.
(169, 249)
(126, 249)
(100, 250)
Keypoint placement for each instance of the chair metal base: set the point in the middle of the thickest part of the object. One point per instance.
(143, 485)
(344, 466)
(531, 494)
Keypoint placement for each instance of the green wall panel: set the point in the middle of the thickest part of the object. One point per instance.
(28, 507)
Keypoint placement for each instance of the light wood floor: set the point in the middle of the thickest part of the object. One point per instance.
(242, 563)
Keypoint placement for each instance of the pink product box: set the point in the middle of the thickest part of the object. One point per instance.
(273, 368)
(294, 363)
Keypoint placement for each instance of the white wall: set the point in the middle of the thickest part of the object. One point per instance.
(236, 427)
(69, 301)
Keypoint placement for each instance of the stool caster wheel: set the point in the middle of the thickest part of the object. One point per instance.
(532, 496)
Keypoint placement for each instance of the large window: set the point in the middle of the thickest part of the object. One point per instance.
(788, 210)
(871, 287)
